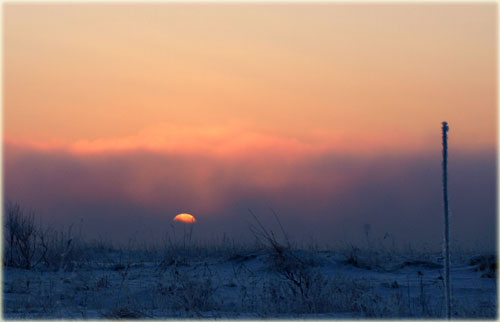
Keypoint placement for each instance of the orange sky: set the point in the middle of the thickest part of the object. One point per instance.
(226, 77)
(328, 113)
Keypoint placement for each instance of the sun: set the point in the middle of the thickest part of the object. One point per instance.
(186, 218)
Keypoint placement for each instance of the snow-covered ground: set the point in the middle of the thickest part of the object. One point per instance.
(251, 283)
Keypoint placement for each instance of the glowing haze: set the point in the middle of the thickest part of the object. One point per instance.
(320, 111)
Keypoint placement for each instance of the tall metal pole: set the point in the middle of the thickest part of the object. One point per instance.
(447, 294)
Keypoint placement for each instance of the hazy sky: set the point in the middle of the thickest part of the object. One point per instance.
(324, 112)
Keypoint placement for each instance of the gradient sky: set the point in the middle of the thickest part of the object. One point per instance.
(316, 110)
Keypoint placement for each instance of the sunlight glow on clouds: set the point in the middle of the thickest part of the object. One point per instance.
(234, 142)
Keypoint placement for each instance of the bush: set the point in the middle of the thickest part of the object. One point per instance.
(21, 233)
(27, 245)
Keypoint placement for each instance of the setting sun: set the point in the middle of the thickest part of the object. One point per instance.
(186, 218)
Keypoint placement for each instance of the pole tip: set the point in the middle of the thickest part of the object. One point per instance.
(445, 126)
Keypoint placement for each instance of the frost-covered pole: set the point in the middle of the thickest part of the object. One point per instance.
(446, 223)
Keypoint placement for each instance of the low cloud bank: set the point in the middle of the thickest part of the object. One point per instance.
(322, 197)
